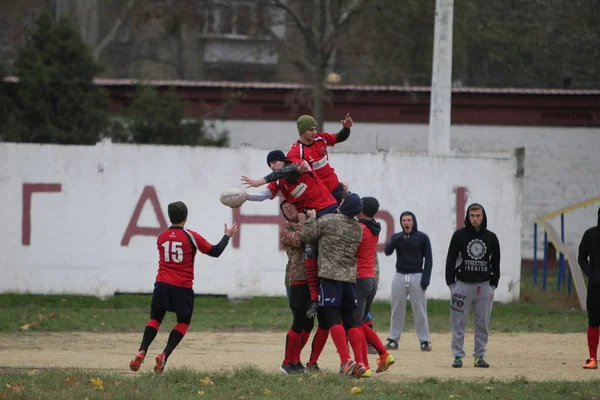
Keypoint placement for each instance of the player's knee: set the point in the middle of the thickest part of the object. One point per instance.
(310, 251)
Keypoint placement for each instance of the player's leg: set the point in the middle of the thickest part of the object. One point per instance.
(398, 305)
(330, 319)
(482, 311)
(182, 303)
(293, 342)
(593, 333)
(418, 303)
(353, 312)
(312, 271)
(158, 309)
(460, 305)
(339, 193)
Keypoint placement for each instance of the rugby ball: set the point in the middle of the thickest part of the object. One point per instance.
(234, 197)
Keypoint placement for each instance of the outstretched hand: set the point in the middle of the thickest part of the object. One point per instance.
(231, 231)
(347, 121)
(303, 167)
(249, 182)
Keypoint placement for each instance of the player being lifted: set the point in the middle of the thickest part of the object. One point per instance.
(312, 147)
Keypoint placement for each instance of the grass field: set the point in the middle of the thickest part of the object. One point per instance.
(30, 314)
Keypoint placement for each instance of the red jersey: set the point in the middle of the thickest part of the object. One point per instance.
(317, 157)
(308, 192)
(365, 254)
(177, 248)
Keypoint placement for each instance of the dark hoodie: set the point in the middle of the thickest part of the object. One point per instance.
(473, 255)
(589, 260)
(411, 249)
(367, 250)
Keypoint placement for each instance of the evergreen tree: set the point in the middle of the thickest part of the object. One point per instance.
(56, 100)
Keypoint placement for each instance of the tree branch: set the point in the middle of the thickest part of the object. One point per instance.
(114, 30)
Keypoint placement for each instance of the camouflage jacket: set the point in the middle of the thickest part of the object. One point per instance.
(338, 237)
(289, 237)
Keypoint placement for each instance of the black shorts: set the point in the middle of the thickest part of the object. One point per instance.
(173, 298)
(366, 289)
(337, 294)
(299, 297)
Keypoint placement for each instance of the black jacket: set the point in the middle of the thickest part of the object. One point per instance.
(473, 256)
(413, 251)
(589, 260)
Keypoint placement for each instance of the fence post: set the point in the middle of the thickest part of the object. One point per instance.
(545, 266)
(535, 260)
(561, 256)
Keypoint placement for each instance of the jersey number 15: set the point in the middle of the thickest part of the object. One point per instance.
(173, 251)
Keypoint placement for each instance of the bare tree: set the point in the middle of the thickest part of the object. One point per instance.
(320, 25)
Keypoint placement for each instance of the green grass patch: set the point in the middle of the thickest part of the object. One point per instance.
(251, 383)
(538, 311)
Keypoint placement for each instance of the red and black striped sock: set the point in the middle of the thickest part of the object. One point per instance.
(150, 332)
(175, 337)
(312, 272)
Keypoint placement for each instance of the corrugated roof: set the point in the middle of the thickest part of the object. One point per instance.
(361, 88)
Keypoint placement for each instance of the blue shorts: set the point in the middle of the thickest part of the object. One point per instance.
(337, 294)
(173, 298)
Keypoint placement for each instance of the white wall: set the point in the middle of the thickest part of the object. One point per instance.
(75, 242)
(561, 164)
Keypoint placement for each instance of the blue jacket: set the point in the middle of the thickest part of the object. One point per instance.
(413, 252)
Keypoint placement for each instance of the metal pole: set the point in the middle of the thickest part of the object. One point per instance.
(441, 79)
(545, 267)
(561, 257)
(535, 260)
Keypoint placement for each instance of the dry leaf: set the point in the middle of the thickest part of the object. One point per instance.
(300, 379)
(97, 383)
(51, 316)
(33, 372)
(71, 379)
(454, 396)
(35, 323)
(25, 327)
(355, 389)
(102, 323)
(2, 395)
(206, 381)
(117, 383)
(489, 388)
(200, 392)
(40, 317)
(267, 392)
(61, 315)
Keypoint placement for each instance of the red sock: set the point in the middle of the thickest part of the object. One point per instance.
(338, 335)
(357, 342)
(373, 339)
(365, 354)
(312, 272)
(304, 335)
(318, 344)
(292, 347)
(593, 334)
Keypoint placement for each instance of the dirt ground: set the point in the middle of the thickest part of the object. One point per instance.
(533, 356)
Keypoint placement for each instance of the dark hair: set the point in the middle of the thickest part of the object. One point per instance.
(178, 212)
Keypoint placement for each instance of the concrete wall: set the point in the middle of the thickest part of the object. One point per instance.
(85, 219)
(561, 164)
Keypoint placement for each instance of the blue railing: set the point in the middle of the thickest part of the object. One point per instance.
(561, 271)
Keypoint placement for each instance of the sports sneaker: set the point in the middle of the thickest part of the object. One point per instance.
(480, 363)
(384, 363)
(391, 345)
(347, 368)
(371, 349)
(300, 369)
(359, 370)
(161, 361)
(457, 363)
(368, 373)
(314, 368)
(312, 310)
(590, 363)
(425, 346)
(137, 361)
(288, 369)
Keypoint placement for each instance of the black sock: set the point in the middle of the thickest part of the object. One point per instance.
(174, 338)
(149, 335)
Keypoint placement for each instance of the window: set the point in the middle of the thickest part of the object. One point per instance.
(235, 19)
